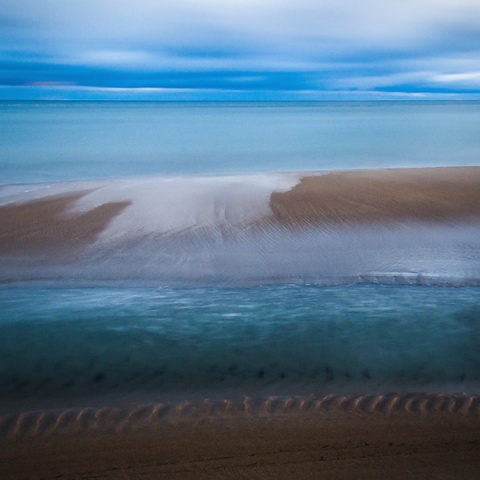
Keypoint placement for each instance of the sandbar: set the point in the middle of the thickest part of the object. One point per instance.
(46, 225)
(379, 196)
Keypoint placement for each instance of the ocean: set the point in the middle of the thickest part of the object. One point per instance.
(188, 290)
(57, 141)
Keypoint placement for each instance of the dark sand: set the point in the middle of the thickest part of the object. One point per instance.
(44, 225)
(435, 437)
(391, 195)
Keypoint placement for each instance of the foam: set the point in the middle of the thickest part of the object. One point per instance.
(177, 204)
(18, 194)
(414, 253)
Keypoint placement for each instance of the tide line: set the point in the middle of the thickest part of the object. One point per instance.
(117, 420)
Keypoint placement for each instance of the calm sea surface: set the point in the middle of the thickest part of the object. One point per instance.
(71, 343)
(43, 142)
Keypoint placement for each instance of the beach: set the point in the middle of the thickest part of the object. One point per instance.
(376, 196)
(35, 223)
(38, 226)
(426, 437)
(239, 240)
(324, 227)
(107, 387)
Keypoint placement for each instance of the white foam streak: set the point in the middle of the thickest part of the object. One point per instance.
(413, 254)
(173, 205)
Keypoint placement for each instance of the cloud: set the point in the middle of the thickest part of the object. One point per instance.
(468, 79)
(282, 45)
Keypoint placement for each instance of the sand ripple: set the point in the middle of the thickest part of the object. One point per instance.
(112, 419)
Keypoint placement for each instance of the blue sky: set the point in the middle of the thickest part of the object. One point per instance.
(240, 49)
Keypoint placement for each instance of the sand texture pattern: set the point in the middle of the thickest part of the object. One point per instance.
(45, 225)
(336, 198)
(391, 195)
(388, 436)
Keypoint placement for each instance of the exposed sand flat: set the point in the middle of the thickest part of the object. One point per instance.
(193, 229)
(424, 194)
(343, 197)
(44, 225)
(422, 436)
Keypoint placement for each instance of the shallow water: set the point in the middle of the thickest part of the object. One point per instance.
(61, 345)
(236, 312)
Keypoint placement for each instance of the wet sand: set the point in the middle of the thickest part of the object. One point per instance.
(46, 225)
(392, 436)
(390, 195)
(450, 194)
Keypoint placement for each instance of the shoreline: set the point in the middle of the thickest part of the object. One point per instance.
(132, 416)
(415, 225)
(391, 435)
(77, 218)
(422, 435)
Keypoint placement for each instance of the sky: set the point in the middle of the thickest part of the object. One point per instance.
(253, 50)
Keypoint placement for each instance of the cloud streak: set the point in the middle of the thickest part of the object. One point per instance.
(244, 47)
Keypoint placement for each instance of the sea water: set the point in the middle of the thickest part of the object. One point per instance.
(69, 339)
(52, 141)
(80, 344)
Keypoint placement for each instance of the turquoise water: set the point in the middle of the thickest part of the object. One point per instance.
(66, 344)
(78, 340)
(48, 141)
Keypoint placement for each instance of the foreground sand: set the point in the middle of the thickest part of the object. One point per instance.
(283, 441)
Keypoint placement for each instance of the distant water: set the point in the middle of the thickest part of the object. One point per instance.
(83, 342)
(52, 141)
